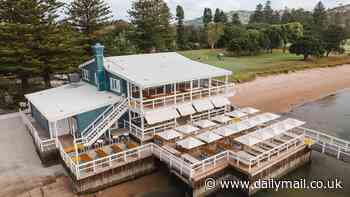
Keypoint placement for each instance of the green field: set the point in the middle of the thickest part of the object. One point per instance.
(347, 46)
(247, 68)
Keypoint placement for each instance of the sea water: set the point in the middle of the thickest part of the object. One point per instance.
(330, 115)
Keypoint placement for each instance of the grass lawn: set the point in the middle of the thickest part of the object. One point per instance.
(247, 68)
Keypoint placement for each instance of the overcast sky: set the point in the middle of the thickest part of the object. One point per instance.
(194, 8)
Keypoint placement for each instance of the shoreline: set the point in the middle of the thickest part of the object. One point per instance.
(281, 93)
(277, 93)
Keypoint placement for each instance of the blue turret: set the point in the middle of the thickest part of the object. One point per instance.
(101, 75)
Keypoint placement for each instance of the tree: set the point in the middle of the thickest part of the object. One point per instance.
(88, 16)
(274, 36)
(223, 17)
(286, 16)
(307, 46)
(334, 37)
(217, 16)
(118, 39)
(180, 15)
(207, 17)
(235, 20)
(289, 33)
(39, 44)
(258, 15)
(319, 17)
(215, 31)
(151, 19)
(268, 13)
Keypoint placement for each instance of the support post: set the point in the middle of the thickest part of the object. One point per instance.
(191, 89)
(209, 86)
(175, 93)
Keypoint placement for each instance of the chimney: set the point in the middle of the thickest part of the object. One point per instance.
(99, 59)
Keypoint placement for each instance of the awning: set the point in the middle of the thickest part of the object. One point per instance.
(161, 115)
(186, 109)
(189, 143)
(220, 101)
(269, 132)
(226, 131)
(209, 137)
(169, 135)
(202, 105)
(249, 110)
(187, 129)
(222, 119)
(204, 124)
(237, 114)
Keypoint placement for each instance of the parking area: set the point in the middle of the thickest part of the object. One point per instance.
(20, 166)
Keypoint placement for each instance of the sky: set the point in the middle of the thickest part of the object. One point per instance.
(194, 8)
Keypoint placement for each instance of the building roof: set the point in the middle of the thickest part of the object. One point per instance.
(157, 69)
(69, 100)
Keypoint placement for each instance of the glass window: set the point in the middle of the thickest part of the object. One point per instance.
(85, 74)
(115, 85)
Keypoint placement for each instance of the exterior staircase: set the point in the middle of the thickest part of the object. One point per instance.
(102, 123)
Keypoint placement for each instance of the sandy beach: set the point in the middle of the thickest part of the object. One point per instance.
(278, 93)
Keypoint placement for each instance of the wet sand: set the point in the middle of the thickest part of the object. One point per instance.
(278, 93)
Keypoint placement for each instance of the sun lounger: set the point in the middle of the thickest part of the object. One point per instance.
(71, 149)
(116, 149)
(82, 158)
(131, 145)
(101, 153)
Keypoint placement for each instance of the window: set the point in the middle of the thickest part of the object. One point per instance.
(115, 85)
(85, 75)
(195, 84)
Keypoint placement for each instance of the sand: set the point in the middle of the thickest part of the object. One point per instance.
(278, 93)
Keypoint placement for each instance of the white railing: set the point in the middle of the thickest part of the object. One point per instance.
(328, 142)
(104, 122)
(223, 89)
(71, 165)
(199, 169)
(208, 114)
(42, 145)
(148, 133)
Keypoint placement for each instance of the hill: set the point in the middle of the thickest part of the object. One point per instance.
(243, 16)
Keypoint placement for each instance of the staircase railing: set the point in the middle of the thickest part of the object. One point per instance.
(103, 122)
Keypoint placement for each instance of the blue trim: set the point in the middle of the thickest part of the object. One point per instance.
(39, 118)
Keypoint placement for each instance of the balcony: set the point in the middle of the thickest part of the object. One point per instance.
(165, 96)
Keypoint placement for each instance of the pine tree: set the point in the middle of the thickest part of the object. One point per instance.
(223, 17)
(88, 16)
(217, 16)
(235, 19)
(39, 44)
(268, 13)
(180, 15)
(319, 17)
(258, 15)
(207, 17)
(151, 19)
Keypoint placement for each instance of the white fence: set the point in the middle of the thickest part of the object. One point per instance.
(199, 169)
(220, 89)
(43, 145)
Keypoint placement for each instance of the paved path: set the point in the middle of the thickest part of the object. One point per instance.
(20, 166)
